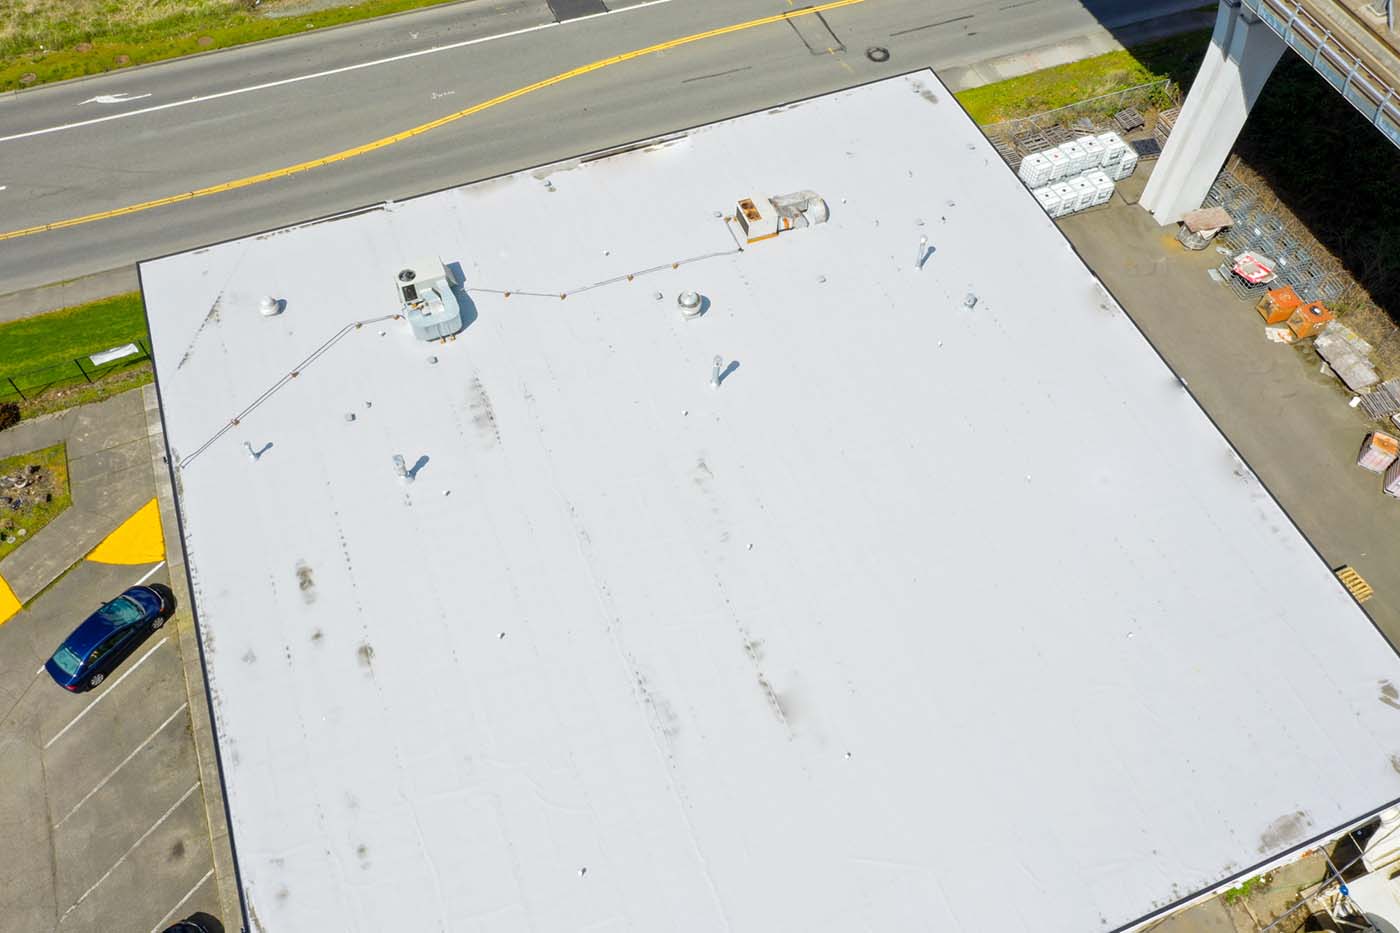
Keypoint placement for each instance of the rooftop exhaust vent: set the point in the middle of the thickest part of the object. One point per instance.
(762, 218)
(428, 302)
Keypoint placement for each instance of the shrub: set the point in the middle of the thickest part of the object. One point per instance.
(9, 415)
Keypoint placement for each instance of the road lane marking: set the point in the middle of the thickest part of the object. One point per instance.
(422, 128)
(138, 540)
(115, 865)
(87, 709)
(150, 573)
(202, 98)
(103, 783)
(9, 602)
(122, 98)
(197, 885)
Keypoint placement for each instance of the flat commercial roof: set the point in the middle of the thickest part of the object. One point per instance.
(928, 617)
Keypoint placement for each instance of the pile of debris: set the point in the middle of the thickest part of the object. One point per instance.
(1289, 319)
(21, 490)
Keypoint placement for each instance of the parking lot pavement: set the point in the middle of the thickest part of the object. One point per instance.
(102, 811)
(1288, 420)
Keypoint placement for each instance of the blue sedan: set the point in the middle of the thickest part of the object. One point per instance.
(111, 633)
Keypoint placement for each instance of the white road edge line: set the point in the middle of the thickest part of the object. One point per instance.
(103, 783)
(323, 74)
(105, 693)
(197, 885)
(117, 863)
(150, 573)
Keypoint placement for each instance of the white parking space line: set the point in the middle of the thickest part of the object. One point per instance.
(168, 917)
(107, 874)
(150, 573)
(87, 709)
(103, 783)
(322, 74)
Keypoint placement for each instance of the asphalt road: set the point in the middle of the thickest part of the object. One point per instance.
(393, 74)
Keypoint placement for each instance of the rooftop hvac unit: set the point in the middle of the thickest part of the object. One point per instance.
(761, 218)
(426, 297)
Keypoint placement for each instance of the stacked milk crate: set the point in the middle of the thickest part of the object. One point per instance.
(1078, 174)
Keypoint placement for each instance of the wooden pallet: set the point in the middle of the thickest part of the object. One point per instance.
(1359, 588)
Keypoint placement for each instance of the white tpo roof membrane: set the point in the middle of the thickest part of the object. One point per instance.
(926, 618)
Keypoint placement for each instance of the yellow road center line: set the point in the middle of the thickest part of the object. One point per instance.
(387, 141)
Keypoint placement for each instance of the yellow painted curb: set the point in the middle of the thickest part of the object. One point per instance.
(426, 127)
(138, 540)
(9, 603)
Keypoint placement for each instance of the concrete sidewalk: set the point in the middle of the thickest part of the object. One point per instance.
(109, 473)
(1289, 420)
(31, 301)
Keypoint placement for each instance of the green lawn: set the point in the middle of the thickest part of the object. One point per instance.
(60, 336)
(1176, 58)
(50, 40)
(37, 355)
(37, 509)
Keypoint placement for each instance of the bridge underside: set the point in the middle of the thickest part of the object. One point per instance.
(1250, 37)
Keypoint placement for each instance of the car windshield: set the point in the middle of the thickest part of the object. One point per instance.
(121, 611)
(67, 661)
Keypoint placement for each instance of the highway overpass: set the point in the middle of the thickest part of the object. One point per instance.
(1351, 43)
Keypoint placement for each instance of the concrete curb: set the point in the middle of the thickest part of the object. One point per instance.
(201, 718)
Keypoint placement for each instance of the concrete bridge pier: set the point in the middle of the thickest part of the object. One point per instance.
(1242, 54)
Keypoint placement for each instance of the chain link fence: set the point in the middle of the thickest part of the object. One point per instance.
(35, 383)
(1024, 135)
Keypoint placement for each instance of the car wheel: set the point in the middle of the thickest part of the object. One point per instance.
(96, 679)
(157, 622)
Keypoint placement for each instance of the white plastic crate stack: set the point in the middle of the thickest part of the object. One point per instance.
(1076, 160)
(1083, 192)
(1125, 165)
(1059, 165)
(1093, 150)
(1035, 170)
(1049, 200)
(1103, 185)
(1067, 196)
(1113, 149)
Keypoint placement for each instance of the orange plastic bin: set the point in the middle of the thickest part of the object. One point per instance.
(1278, 304)
(1308, 319)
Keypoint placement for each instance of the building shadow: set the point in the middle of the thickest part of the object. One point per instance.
(459, 291)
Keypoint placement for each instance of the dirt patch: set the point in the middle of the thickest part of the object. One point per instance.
(33, 492)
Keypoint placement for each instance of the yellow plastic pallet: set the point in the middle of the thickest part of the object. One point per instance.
(1359, 588)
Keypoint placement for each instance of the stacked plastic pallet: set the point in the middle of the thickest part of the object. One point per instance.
(1392, 480)
(1078, 174)
(1378, 451)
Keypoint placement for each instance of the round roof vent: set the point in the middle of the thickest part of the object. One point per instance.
(690, 303)
(407, 275)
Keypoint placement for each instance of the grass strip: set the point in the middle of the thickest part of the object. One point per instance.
(59, 337)
(1176, 58)
(71, 39)
(35, 512)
